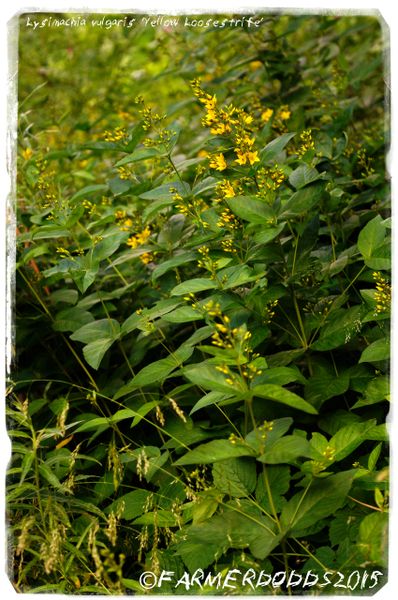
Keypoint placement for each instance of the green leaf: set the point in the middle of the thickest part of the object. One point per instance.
(193, 286)
(176, 261)
(183, 314)
(156, 371)
(321, 500)
(71, 319)
(381, 257)
(142, 411)
(48, 232)
(94, 352)
(163, 191)
(236, 476)
(303, 201)
(374, 457)
(238, 275)
(275, 147)
(377, 390)
(130, 584)
(133, 503)
(373, 539)
(210, 399)
(119, 186)
(50, 477)
(279, 394)
(239, 526)
(99, 337)
(139, 155)
(267, 234)
(155, 207)
(251, 209)
(67, 296)
(214, 451)
(342, 325)
(99, 188)
(325, 385)
(302, 176)
(108, 246)
(103, 328)
(371, 236)
(279, 483)
(281, 376)
(378, 350)
(348, 438)
(207, 377)
(204, 507)
(160, 518)
(286, 450)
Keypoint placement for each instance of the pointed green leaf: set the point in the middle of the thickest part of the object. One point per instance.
(321, 499)
(286, 450)
(214, 451)
(378, 350)
(236, 476)
(156, 371)
(278, 394)
(302, 176)
(371, 236)
(193, 285)
(275, 147)
(251, 209)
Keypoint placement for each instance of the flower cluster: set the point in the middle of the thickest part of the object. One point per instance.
(228, 246)
(225, 189)
(307, 142)
(382, 294)
(217, 162)
(229, 120)
(193, 207)
(269, 311)
(266, 427)
(266, 115)
(123, 173)
(269, 179)
(228, 220)
(90, 207)
(138, 239)
(152, 121)
(46, 187)
(116, 135)
(206, 262)
(124, 222)
(244, 150)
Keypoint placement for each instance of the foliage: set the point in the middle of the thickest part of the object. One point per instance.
(202, 305)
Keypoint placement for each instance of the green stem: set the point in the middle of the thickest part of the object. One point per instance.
(300, 321)
(76, 356)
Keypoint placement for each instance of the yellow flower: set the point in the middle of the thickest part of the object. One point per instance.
(247, 119)
(255, 64)
(139, 238)
(209, 102)
(218, 162)
(284, 114)
(226, 188)
(253, 157)
(27, 153)
(242, 158)
(146, 258)
(220, 129)
(267, 114)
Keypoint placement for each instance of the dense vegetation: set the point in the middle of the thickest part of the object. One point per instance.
(201, 315)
